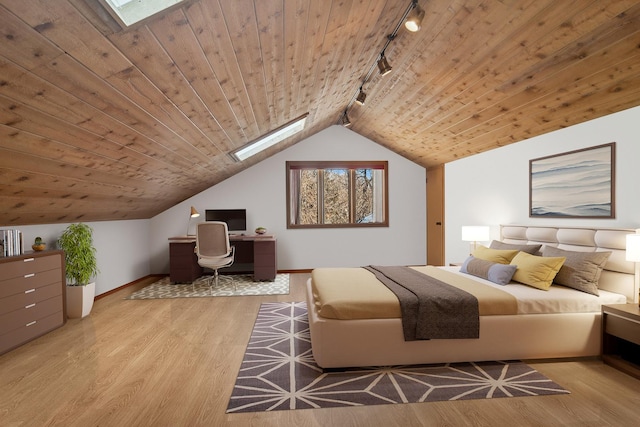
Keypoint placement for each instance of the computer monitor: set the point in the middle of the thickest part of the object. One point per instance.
(236, 219)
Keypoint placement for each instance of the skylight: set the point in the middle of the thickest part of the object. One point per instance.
(131, 11)
(272, 138)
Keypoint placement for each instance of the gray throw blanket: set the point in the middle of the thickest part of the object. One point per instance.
(431, 309)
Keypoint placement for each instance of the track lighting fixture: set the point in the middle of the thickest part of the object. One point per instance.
(414, 21)
(383, 65)
(361, 97)
(345, 119)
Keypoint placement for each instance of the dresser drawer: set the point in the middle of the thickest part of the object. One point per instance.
(29, 265)
(19, 285)
(28, 314)
(30, 296)
(28, 332)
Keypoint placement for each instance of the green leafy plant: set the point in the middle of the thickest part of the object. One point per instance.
(80, 255)
(38, 241)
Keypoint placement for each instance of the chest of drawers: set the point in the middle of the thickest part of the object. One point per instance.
(32, 297)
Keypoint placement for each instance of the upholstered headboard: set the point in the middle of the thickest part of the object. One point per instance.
(619, 275)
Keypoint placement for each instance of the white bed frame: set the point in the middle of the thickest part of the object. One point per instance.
(379, 342)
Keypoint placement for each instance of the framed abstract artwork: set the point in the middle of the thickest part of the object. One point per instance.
(575, 184)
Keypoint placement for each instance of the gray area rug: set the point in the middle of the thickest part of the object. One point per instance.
(244, 285)
(278, 373)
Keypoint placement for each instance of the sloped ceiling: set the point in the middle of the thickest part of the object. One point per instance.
(100, 123)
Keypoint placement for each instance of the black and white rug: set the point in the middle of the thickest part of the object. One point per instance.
(241, 285)
(278, 373)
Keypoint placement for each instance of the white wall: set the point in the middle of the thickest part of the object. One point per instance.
(492, 188)
(261, 190)
(122, 249)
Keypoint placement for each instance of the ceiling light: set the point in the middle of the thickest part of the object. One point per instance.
(383, 65)
(272, 138)
(345, 120)
(414, 21)
(361, 97)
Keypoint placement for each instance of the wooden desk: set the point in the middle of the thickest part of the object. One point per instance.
(183, 261)
(255, 254)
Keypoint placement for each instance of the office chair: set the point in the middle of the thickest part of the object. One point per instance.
(213, 249)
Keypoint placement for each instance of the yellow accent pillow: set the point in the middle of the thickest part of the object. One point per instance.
(536, 271)
(501, 256)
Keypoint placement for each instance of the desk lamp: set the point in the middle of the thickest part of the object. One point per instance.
(194, 214)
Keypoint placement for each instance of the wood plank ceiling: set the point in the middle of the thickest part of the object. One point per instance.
(100, 123)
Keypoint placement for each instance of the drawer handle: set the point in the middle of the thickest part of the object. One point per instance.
(28, 259)
(30, 305)
(26, 276)
(31, 323)
(28, 291)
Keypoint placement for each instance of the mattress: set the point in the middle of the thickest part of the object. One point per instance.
(354, 293)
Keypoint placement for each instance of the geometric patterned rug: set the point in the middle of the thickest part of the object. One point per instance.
(244, 285)
(278, 373)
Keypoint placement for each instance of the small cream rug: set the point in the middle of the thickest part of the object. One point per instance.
(244, 285)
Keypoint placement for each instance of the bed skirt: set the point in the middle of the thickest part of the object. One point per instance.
(379, 342)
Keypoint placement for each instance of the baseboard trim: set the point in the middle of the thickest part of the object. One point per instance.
(126, 285)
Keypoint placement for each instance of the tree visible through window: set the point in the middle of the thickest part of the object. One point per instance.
(337, 194)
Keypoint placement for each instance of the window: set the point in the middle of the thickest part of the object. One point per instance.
(128, 12)
(337, 194)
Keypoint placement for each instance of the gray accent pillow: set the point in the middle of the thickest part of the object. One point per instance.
(530, 249)
(493, 271)
(581, 270)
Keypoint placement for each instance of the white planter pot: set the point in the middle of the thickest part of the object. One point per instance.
(80, 300)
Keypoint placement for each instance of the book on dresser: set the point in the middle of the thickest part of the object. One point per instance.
(11, 242)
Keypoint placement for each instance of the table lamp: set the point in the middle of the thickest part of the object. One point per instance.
(475, 234)
(194, 214)
(633, 255)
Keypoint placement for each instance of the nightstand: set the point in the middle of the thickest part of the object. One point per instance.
(621, 337)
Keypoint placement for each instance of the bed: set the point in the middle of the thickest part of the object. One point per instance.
(528, 334)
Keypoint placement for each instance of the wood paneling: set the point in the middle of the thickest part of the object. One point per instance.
(102, 123)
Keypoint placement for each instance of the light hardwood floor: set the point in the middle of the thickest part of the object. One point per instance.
(174, 363)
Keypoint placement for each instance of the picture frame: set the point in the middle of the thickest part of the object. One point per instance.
(574, 184)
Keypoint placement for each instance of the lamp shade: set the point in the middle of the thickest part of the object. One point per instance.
(633, 247)
(475, 233)
(194, 212)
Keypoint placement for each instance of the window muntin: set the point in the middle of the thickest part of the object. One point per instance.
(337, 194)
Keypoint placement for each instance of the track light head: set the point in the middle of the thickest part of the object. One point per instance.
(383, 65)
(414, 21)
(345, 120)
(361, 97)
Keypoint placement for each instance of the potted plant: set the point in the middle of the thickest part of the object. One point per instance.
(39, 244)
(81, 266)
